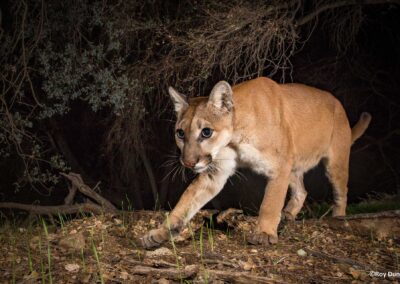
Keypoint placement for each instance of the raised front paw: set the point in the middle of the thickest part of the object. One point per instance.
(261, 238)
(154, 238)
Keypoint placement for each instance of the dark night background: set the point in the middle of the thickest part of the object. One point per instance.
(84, 88)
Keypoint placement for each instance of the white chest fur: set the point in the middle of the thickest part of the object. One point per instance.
(249, 156)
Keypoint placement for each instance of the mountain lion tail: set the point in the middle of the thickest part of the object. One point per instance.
(360, 126)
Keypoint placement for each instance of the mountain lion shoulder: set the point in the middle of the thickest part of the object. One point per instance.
(278, 130)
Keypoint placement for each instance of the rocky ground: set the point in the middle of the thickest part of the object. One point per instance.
(104, 249)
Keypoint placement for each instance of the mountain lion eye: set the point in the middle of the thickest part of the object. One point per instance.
(206, 132)
(180, 133)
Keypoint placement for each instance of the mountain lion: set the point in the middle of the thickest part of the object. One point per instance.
(278, 130)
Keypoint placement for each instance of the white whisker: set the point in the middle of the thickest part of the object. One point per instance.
(240, 175)
(173, 170)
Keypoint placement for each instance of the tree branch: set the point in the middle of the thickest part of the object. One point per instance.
(76, 180)
(150, 174)
(339, 4)
(71, 195)
(57, 209)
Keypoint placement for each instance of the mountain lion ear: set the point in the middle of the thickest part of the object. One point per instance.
(221, 96)
(179, 100)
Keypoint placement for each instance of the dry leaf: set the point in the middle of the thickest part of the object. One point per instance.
(248, 265)
(355, 273)
(124, 275)
(75, 242)
(32, 276)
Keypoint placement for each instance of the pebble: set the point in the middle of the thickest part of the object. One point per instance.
(302, 252)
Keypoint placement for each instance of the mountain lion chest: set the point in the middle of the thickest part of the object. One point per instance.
(251, 157)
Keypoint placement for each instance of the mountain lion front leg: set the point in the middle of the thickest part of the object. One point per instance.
(271, 207)
(204, 188)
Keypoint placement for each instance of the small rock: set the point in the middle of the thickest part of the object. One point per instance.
(163, 281)
(159, 252)
(302, 252)
(253, 251)
(74, 242)
(72, 267)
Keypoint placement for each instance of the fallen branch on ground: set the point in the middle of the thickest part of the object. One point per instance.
(101, 206)
(239, 277)
(76, 180)
(384, 214)
(71, 195)
(337, 259)
(57, 209)
(188, 271)
(152, 263)
(191, 271)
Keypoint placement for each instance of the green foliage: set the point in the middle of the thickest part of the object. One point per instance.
(372, 204)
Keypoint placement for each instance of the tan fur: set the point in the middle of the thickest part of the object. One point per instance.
(279, 130)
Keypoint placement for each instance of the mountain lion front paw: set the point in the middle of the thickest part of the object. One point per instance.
(261, 238)
(155, 238)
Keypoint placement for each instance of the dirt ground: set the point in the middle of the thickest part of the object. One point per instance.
(104, 249)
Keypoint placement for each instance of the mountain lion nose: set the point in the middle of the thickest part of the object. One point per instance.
(189, 164)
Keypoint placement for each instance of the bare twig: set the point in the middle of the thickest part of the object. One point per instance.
(221, 262)
(327, 212)
(152, 262)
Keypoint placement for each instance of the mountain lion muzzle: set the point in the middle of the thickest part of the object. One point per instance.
(278, 130)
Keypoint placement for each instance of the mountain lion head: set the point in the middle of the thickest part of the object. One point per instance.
(203, 127)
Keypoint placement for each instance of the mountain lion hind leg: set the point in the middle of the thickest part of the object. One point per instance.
(298, 195)
(337, 160)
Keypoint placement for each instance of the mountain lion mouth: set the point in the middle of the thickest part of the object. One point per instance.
(210, 168)
(201, 169)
